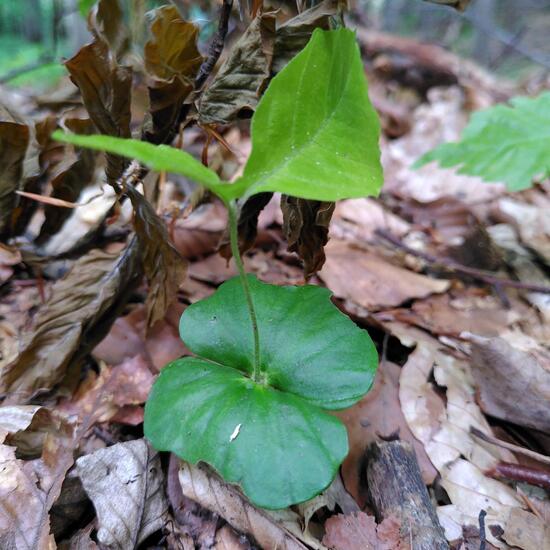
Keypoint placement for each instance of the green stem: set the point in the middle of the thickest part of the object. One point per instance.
(233, 210)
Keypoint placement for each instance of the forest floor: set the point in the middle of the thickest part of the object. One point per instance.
(449, 274)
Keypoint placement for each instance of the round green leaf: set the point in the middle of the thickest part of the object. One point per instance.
(278, 447)
(271, 436)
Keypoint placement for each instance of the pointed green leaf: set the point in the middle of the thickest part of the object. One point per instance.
(315, 133)
(510, 144)
(156, 157)
(273, 438)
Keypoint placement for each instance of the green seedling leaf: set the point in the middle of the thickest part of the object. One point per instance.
(509, 144)
(314, 133)
(272, 437)
(158, 157)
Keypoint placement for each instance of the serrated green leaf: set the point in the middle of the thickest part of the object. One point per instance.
(509, 144)
(315, 133)
(273, 438)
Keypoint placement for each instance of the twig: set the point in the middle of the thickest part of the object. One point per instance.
(522, 473)
(216, 46)
(451, 265)
(482, 536)
(510, 446)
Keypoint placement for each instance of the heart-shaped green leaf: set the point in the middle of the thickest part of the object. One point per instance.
(314, 133)
(272, 437)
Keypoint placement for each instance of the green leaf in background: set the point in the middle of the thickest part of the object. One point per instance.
(509, 144)
(273, 438)
(314, 133)
(84, 6)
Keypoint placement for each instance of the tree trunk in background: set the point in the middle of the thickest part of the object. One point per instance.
(74, 26)
(31, 21)
(484, 44)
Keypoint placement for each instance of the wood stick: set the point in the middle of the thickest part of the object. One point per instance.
(395, 488)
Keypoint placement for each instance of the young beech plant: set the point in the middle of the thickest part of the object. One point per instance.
(270, 361)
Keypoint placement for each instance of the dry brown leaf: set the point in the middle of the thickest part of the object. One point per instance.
(14, 140)
(305, 227)
(164, 268)
(358, 530)
(106, 22)
(512, 374)
(100, 398)
(29, 489)
(531, 221)
(454, 313)
(125, 484)
(105, 87)
(228, 539)
(378, 415)
(76, 316)
(279, 529)
(172, 59)
(243, 76)
(371, 282)
(526, 531)
(358, 220)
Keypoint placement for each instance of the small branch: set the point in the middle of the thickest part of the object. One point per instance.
(216, 46)
(232, 209)
(510, 446)
(451, 265)
(522, 473)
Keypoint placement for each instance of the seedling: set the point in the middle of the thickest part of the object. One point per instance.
(271, 361)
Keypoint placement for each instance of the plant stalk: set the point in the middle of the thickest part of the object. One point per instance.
(233, 210)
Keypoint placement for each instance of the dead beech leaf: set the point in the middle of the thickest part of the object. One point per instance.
(270, 529)
(526, 531)
(106, 22)
(172, 51)
(293, 35)
(125, 484)
(29, 489)
(358, 530)
(25, 427)
(164, 268)
(305, 226)
(371, 282)
(512, 374)
(173, 60)
(75, 317)
(14, 140)
(358, 219)
(243, 76)
(378, 415)
(105, 87)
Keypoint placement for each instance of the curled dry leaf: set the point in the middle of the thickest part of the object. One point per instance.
(125, 484)
(512, 374)
(106, 22)
(105, 87)
(358, 530)
(375, 284)
(75, 317)
(29, 489)
(14, 140)
(172, 59)
(270, 529)
(164, 268)
(25, 427)
(305, 226)
(243, 76)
